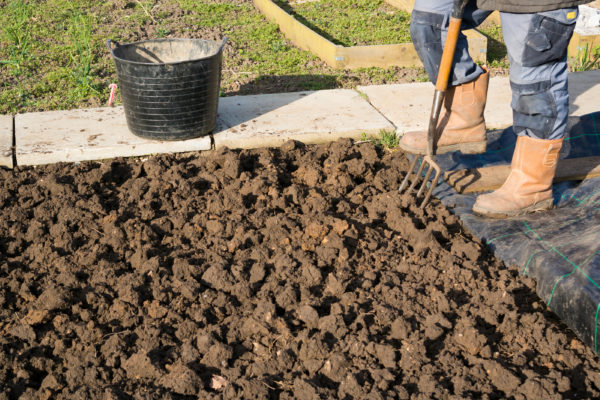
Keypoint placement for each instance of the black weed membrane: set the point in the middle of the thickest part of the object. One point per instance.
(559, 248)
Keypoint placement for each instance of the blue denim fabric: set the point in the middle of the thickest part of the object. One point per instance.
(537, 46)
(428, 28)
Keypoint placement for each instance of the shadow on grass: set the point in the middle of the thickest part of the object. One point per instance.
(288, 9)
(497, 54)
(265, 84)
(496, 51)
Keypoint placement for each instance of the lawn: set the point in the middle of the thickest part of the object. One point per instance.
(352, 23)
(53, 53)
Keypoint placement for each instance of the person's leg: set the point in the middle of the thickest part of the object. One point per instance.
(537, 50)
(428, 29)
(461, 127)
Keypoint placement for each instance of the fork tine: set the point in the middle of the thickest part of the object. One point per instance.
(432, 166)
(429, 192)
(417, 177)
(434, 182)
(411, 170)
(425, 179)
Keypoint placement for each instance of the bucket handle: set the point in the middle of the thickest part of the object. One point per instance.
(223, 42)
(109, 44)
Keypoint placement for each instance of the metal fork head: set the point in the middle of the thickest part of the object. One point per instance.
(427, 165)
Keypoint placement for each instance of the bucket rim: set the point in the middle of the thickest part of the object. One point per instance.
(109, 43)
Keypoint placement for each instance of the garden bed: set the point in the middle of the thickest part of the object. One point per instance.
(296, 272)
(305, 35)
(352, 23)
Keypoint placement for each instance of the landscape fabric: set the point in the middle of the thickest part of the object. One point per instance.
(559, 248)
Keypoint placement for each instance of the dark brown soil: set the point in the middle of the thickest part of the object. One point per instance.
(290, 273)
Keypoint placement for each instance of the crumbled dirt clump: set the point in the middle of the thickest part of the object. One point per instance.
(290, 273)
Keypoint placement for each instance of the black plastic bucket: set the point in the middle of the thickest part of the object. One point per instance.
(169, 87)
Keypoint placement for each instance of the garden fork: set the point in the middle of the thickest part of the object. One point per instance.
(441, 85)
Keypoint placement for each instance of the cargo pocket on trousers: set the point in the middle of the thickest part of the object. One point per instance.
(534, 109)
(546, 41)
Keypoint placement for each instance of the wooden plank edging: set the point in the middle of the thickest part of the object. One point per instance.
(299, 34)
(354, 57)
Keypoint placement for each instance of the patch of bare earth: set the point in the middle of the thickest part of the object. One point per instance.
(289, 273)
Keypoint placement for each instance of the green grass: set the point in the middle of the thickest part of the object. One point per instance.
(497, 55)
(353, 22)
(58, 63)
(16, 33)
(55, 50)
(261, 48)
(386, 139)
(53, 53)
(82, 55)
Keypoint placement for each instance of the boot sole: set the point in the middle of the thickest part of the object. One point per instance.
(540, 206)
(477, 147)
(465, 148)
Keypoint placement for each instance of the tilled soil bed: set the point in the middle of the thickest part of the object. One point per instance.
(290, 273)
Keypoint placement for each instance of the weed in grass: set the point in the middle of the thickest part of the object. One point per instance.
(145, 8)
(319, 82)
(162, 32)
(587, 59)
(13, 97)
(380, 75)
(422, 75)
(389, 139)
(17, 33)
(386, 139)
(82, 56)
(279, 45)
(210, 14)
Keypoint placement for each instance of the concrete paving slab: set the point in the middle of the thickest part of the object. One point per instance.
(87, 134)
(6, 141)
(311, 117)
(584, 92)
(408, 106)
(259, 121)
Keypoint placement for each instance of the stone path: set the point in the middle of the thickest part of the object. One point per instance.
(310, 117)
(87, 134)
(257, 121)
(6, 141)
(408, 106)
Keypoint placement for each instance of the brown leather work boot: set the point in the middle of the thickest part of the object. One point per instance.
(461, 126)
(528, 187)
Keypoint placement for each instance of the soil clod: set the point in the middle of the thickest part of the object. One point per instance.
(291, 273)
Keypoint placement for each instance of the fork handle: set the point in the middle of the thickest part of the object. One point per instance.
(444, 73)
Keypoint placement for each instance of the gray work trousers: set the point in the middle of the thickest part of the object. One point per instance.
(537, 51)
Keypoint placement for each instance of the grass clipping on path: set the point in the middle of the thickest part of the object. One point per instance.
(386, 139)
(352, 23)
